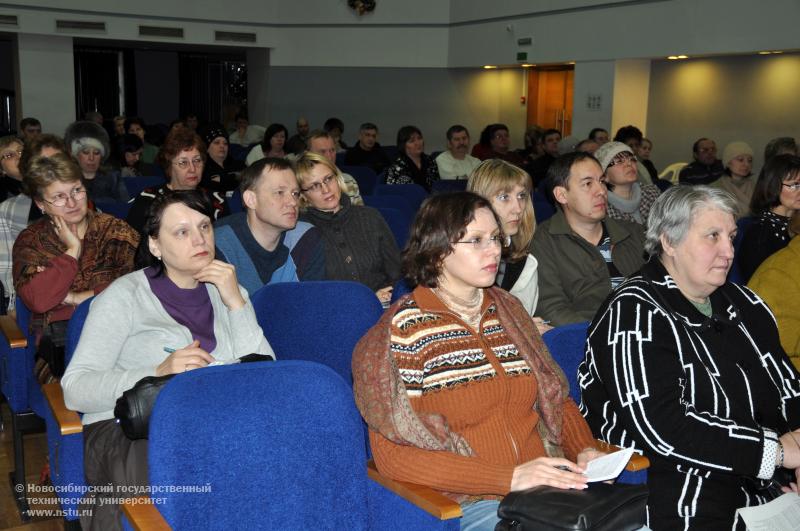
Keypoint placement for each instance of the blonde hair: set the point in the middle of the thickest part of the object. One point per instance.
(493, 176)
(44, 171)
(303, 166)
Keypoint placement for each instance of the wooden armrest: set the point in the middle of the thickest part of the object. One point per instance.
(423, 497)
(637, 462)
(68, 420)
(13, 334)
(143, 515)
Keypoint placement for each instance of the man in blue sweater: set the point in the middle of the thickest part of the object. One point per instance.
(266, 243)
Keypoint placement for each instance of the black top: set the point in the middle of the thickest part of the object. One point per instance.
(764, 237)
(697, 173)
(222, 178)
(9, 187)
(375, 158)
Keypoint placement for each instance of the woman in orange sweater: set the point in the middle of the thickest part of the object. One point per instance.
(454, 381)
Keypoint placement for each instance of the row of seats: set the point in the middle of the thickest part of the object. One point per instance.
(290, 423)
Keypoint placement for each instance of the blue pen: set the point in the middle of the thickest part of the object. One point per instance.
(169, 350)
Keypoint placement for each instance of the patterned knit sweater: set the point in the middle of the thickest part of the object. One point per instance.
(482, 386)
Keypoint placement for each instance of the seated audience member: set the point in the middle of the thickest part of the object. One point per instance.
(412, 164)
(538, 169)
(484, 423)
(508, 189)
(359, 245)
(29, 129)
(632, 136)
(335, 127)
(221, 171)
(567, 144)
(94, 116)
(737, 178)
(119, 126)
(322, 143)
(271, 146)
(182, 312)
(777, 281)
(135, 126)
(69, 255)
(19, 211)
(456, 162)
(496, 144)
(582, 253)
(10, 177)
(182, 158)
(88, 144)
(671, 359)
(129, 157)
(367, 151)
(587, 146)
(775, 199)
(643, 154)
(706, 167)
(246, 134)
(533, 144)
(779, 146)
(266, 243)
(191, 121)
(628, 200)
(298, 141)
(599, 135)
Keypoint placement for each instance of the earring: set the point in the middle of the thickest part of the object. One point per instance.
(42, 210)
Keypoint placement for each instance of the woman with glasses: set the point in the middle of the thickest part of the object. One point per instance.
(455, 383)
(359, 245)
(182, 157)
(628, 199)
(67, 256)
(508, 188)
(10, 176)
(775, 199)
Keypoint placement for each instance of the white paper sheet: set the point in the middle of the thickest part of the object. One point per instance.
(781, 514)
(609, 466)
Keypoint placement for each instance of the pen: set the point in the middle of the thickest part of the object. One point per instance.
(169, 350)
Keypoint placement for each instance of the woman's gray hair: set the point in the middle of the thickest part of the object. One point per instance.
(673, 213)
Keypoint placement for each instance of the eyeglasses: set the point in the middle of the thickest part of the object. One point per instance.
(283, 194)
(480, 244)
(622, 158)
(8, 155)
(184, 163)
(61, 199)
(317, 187)
(792, 186)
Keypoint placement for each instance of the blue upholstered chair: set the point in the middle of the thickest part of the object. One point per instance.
(234, 201)
(65, 431)
(389, 201)
(114, 208)
(239, 152)
(21, 391)
(448, 185)
(364, 176)
(317, 321)
(413, 192)
(285, 452)
(735, 274)
(542, 208)
(567, 345)
(399, 222)
(136, 184)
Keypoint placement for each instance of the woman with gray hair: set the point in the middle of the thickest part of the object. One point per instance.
(673, 361)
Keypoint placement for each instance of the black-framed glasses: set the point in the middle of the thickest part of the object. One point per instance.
(184, 163)
(317, 187)
(60, 200)
(792, 186)
(622, 158)
(480, 244)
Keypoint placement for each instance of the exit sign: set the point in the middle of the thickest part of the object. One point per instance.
(522, 56)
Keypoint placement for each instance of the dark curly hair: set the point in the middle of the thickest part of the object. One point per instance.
(442, 219)
(767, 192)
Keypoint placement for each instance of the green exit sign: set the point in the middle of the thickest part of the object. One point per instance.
(522, 56)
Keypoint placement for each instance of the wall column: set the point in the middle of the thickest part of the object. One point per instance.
(257, 86)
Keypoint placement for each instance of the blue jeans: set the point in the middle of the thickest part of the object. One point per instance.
(480, 516)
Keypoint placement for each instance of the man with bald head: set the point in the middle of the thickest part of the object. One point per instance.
(297, 143)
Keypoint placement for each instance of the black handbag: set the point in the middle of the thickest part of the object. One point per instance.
(601, 507)
(134, 407)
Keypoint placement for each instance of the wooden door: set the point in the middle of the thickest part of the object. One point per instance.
(550, 93)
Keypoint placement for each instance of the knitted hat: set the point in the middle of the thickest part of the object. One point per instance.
(214, 132)
(82, 135)
(606, 153)
(734, 149)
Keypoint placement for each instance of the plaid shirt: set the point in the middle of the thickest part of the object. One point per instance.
(14, 218)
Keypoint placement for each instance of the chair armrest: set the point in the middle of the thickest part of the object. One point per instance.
(423, 497)
(637, 462)
(69, 421)
(14, 336)
(143, 515)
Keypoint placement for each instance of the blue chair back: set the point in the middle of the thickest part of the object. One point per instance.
(135, 185)
(286, 449)
(17, 373)
(238, 151)
(399, 222)
(735, 274)
(340, 159)
(74, 329)
(448, 185)
(115, 208)
(542, 208)
(567, 346)
(413, 192)
(366, 178)
(401, 287)
(235, 202)
(317, 321)
(391, 151)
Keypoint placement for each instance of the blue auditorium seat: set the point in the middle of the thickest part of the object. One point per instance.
(135, 185)
(366, 178)
(413, 192)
